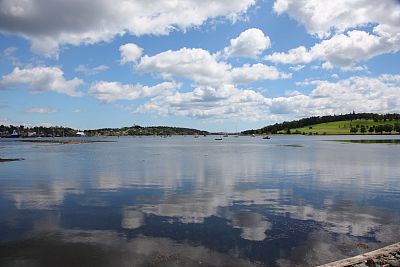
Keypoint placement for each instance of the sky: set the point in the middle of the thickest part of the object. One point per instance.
(217, 65)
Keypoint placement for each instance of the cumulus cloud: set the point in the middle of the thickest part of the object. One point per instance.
(130, 53)
(89, 71)
(250, 73)
(340, 21)
(215, 91)
(343, 50)
(114, 91)
(368, 94)
(222, 102)
(195, 64)
(200, 66)
(250, 43)
(48, 24)
(297, 67)
(41, 110)
(322, 18)
(293, 56)
(40, 79)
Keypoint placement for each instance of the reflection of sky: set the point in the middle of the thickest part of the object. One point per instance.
(261, 191)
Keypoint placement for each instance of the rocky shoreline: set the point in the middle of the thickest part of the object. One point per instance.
(385, 257)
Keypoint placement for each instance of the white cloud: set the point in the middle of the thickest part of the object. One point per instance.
(8, 54)
(86, 70)
(293, 56)
(222, 102)
(341, 21)
(195, 64)
(40, 110)
(297, 67)
(114, 91)
(250, 43)
(40, 79)
(324, 17)
(130, 53)
(343, 50)
(365, 94)
(203, 68)
(48, 24)
(9, 51)
(250, 73)
(215, 93)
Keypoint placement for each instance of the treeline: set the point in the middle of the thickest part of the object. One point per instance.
(378, 129)
(22, 131)
(36, 131)
(137, 130)
(287, 125)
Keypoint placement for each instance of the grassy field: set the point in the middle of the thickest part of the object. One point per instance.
(340, 127)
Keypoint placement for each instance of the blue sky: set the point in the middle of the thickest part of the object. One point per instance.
(213, 65)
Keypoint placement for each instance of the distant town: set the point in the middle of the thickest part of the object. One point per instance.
(12, 131)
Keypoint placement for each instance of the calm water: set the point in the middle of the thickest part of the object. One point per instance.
(185, 201)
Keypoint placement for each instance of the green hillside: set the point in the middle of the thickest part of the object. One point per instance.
(344, 127)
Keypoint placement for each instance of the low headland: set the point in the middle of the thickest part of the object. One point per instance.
(348, 124)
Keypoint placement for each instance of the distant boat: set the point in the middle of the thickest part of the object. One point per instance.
(13, 135)
(253, 135)
(79, 133)
(196, 136)
(266, 137)
(218, 139)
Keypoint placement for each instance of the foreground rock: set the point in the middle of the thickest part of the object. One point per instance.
(385, 257)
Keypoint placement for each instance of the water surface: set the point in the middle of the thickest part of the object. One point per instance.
(184, 201)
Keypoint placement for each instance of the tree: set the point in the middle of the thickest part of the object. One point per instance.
(353, 130)
(371, 129)
(397, 127)
(379, 129)
(363, 129)
(388, 128)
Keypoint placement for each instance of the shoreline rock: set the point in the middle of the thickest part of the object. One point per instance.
(388, 256)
